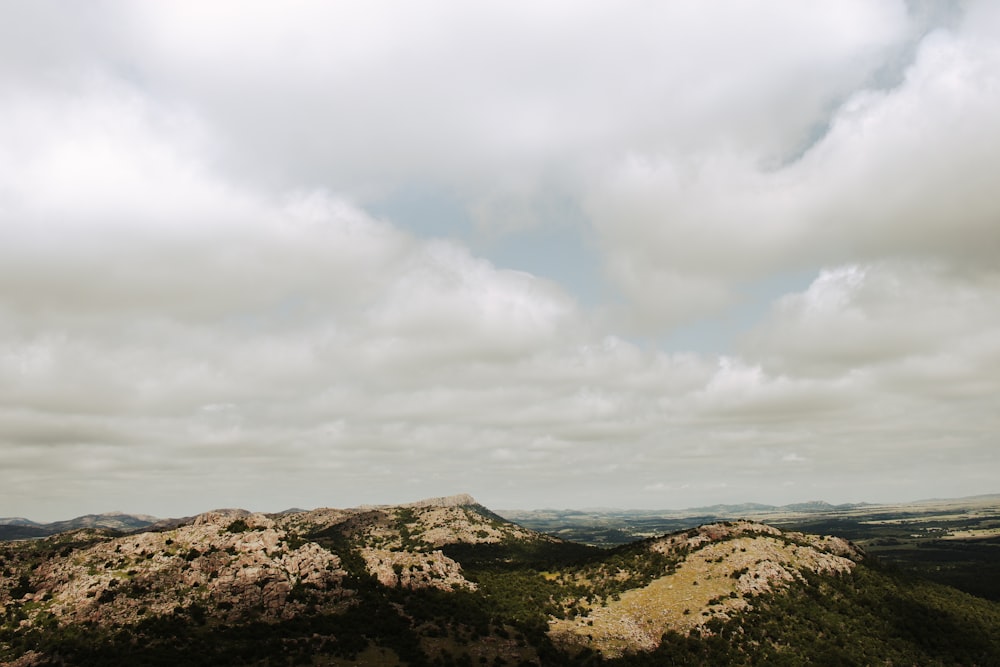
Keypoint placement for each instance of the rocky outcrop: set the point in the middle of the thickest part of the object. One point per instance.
(231, 565)
(420, 526)
(235, 564)
(713, 532)
(458, 500)
(409, 569)
(455, 524)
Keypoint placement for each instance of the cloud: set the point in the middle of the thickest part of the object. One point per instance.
(145, 292)
(879, 316)
(195, 286)
(908, 353)
(900, 172)
(501, 103)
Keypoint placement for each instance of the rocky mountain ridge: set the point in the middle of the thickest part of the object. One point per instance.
(235, 564)
(421, 583)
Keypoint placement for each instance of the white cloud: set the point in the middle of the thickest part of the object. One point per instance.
(900, 173)
(880, 315)
(192, 285)
(498, 101)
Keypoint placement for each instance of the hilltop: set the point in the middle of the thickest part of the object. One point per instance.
(447, 581)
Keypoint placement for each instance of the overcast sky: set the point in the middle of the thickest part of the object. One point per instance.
(560, 254)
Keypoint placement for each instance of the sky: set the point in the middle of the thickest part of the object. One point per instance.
(563, 254)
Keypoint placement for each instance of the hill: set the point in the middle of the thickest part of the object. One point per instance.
(18, 528)
(953, 541)
(448, 582)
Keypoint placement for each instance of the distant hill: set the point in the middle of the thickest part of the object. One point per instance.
(18, 528)
(446, 581)
(16, 521)
(23, 531)
(739, 510)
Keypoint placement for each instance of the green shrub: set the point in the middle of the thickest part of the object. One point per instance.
(237, 526)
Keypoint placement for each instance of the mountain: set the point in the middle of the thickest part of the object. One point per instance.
(16, 521)
(446, 581)
(18, 528)
(109, 520)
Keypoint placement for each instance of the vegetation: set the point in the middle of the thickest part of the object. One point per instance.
(237, 526)
(870, 617)
(926, 545)
(521, 587)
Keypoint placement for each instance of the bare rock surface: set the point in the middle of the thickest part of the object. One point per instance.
(415, 569)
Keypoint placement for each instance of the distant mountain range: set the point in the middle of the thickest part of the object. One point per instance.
(19, 528)
(721, 510)
(16, 528)
(739, 510)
